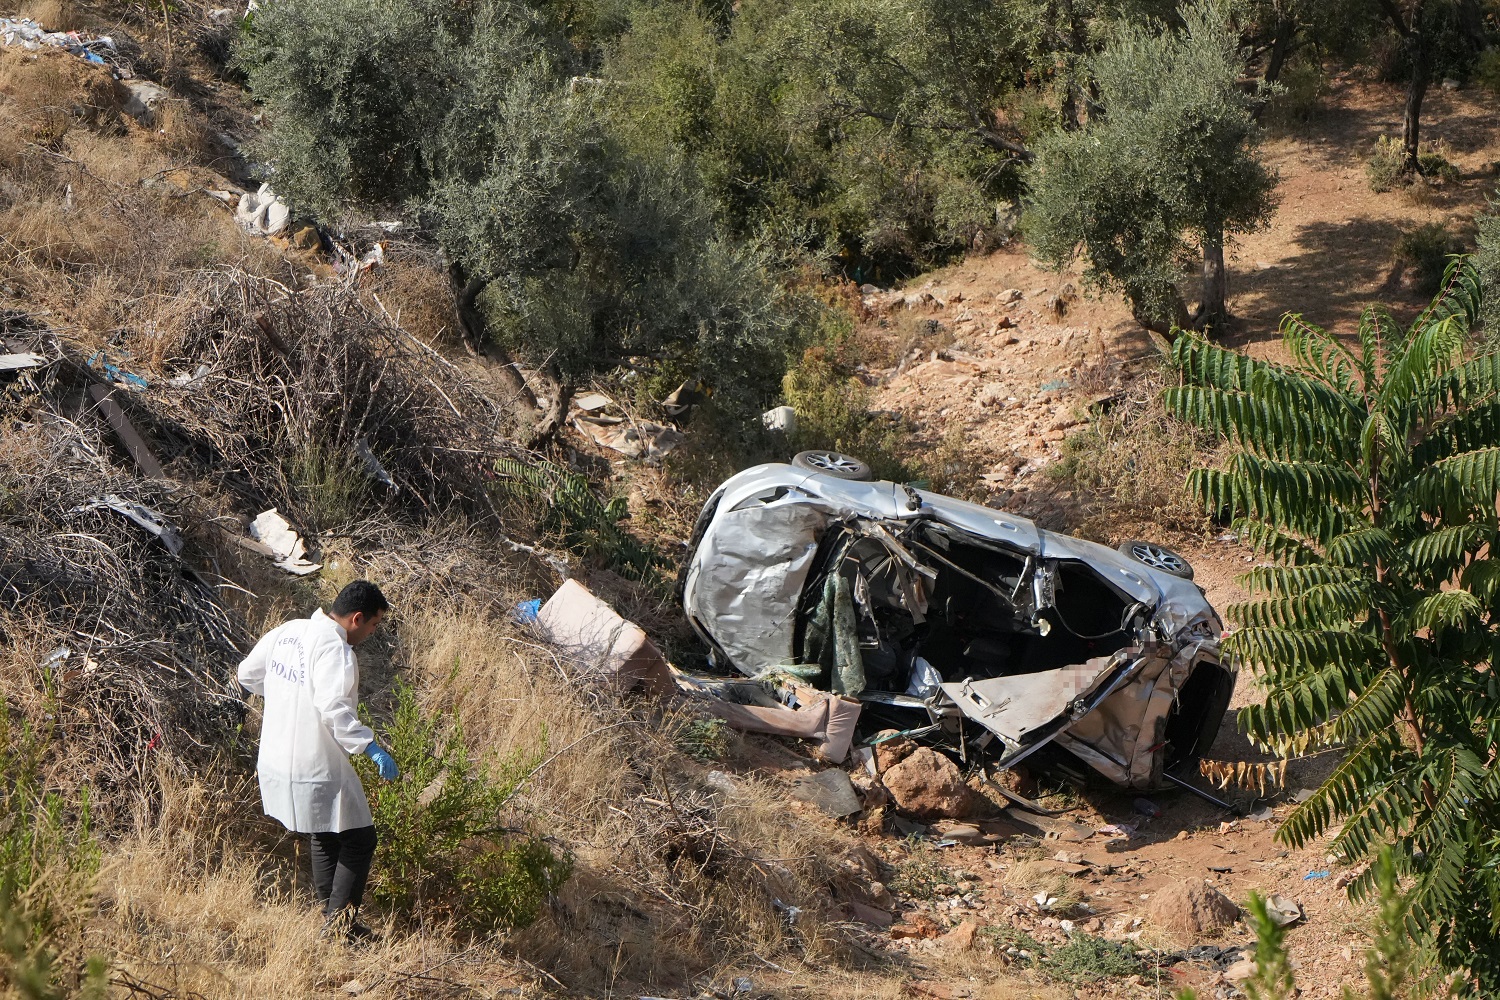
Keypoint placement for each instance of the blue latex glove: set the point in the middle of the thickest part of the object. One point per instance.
(384, 762)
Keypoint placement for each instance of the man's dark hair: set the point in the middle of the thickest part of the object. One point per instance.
(361, 595)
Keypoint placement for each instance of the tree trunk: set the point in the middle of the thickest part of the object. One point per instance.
(1075, 100)
(1416, 90)
(1413, 30)
(557, 409)
(1284, 34)
(1212, 308)
(465, 291)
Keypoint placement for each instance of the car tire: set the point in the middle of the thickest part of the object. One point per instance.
(832, 463)
(700, 528)
(1158, 557)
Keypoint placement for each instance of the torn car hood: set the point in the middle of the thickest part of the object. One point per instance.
(1028, 711)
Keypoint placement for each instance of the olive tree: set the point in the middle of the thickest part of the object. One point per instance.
(1164, 171)
(572, 247)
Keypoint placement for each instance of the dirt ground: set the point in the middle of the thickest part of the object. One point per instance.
(1015, 359)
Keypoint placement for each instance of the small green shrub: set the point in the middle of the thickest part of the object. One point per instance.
(443, 850)
(331, 487)
(1386, 168)
(580, 517)
(704, 740)
(1088, 959)
(1130, 465)
(1487, 70)
(1426, 250)
(1014, 944)
(1304, 86)
(920, 874)
(833, 411)
(1487, 264)
(48, 864)
(1433, 162)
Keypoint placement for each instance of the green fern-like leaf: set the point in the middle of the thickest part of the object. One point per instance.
(1370, 472)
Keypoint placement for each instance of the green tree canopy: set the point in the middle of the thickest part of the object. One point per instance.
(1164, 171)
(1368, 469)
(573, 245)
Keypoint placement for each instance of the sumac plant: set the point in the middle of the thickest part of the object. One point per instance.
(1366, 471)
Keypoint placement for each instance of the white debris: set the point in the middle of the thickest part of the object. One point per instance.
(262, 213)
(780, 418)
(272, 530)
(16, 362)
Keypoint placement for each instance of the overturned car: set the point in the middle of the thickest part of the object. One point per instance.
(935, 612)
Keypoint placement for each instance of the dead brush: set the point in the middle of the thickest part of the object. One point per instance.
(133, 649)
(288, 373)
(1034, 875)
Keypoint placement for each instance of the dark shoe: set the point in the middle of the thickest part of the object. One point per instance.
(344, 927)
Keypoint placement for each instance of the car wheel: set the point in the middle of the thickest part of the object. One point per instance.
(832, 463)
(1158, 557)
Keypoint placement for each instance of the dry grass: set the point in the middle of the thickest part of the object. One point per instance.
(104, 234)
(675, 877)
(1036, 874)
(1129, 466)
(102, 223)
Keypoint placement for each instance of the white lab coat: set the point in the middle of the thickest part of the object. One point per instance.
(309, 676)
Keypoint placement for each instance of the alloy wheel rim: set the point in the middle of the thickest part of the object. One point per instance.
(1158, 558)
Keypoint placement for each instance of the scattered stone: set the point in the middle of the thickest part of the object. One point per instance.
(961, 938)
(1240, 971)
(306, 238)
(830, 791)
(927, 785)
(872, 915)
(142, 99)
(992, 394)
(890, 752)
(871, 792)
(1194, 908)
(1008, 296)
(968, 834)
(918, 925)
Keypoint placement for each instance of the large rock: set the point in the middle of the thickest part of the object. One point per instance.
(1192, 908)
(927, 786)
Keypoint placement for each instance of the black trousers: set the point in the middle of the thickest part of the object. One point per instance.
(341, 866)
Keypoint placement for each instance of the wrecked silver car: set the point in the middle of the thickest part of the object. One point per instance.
(938, 612)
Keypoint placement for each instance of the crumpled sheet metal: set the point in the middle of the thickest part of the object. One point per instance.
(829, 720)
(751, 569)
(1117, 738)
(1014, 706)
(152, 521)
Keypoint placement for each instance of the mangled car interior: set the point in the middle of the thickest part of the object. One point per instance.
(948, 618)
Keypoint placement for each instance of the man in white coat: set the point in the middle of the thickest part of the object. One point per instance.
(309, 676)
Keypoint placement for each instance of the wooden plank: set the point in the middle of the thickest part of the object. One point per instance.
(126, 432)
